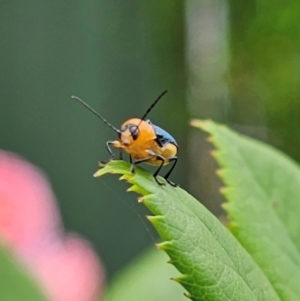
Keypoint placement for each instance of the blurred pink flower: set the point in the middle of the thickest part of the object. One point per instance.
(74, 271)
(65, 266)
(28, 214)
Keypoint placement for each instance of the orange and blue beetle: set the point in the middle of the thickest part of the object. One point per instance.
(143, 141)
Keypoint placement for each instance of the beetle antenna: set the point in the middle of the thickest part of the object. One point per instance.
(153, 105)
(96, 113)
(150, 108)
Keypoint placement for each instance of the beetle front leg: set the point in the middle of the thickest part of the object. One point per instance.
(112, 155)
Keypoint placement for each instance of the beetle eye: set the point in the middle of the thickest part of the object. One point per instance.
(134, 131)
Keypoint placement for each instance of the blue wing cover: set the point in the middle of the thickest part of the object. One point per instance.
(163, 136)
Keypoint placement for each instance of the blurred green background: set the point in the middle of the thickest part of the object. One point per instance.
(235, 62)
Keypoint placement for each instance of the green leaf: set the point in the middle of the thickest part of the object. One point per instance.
(262, 190)
(15, 282)
(213, 264)
(133, 283)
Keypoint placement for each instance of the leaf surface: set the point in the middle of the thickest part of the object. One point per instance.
(262, 190)
(214, 266)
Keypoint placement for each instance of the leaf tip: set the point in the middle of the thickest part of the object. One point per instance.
(156, 220)
(219, 172)
(210, 139)
(140, 199)
(123, 177)
(225, 206)
(162, 245)
(188, 295)
(195, 122)
(223, 190)
(181, 279)
(202, 124)
(214, 153)
(132, 188)
(99, 173)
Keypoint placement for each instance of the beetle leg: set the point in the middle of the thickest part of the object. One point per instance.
(120, 154)
(159, 157)
(112, 155)
(134, 163)
(171, 159)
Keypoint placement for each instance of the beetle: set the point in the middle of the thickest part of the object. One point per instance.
(144, 141)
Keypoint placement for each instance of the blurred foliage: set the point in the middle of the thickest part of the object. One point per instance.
(13, 275)
(265, 68)
(153, 285)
